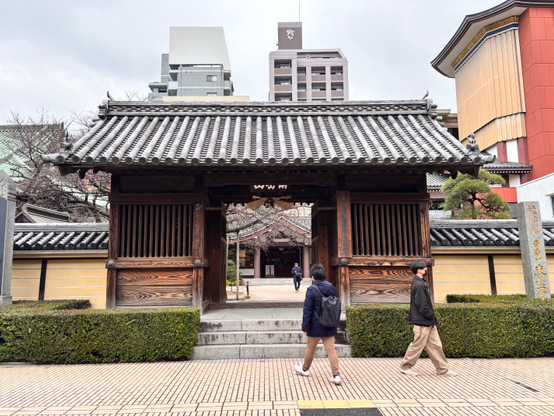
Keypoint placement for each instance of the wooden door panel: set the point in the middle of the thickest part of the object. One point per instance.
(380, 284)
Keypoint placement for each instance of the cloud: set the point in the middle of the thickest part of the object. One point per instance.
(65, 55)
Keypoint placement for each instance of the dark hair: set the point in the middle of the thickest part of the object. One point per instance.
(417, 265)
(317, 271)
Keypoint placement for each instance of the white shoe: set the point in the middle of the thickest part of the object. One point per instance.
(300, 371)
(409, 372)
(335, 380)
(449, 373)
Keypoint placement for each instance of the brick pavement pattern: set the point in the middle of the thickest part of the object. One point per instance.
(272, 388)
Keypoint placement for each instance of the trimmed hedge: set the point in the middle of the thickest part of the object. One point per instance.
(492, 299)
(47, 305)
(96, 336)
(476, 330)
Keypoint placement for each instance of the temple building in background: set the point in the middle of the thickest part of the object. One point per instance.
(297, 74)
(503, 62)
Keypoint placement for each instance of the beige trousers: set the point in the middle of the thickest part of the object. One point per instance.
(329, 344)
(426, 337)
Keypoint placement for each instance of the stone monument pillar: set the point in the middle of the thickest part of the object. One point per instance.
(7, 217)
(533, 255)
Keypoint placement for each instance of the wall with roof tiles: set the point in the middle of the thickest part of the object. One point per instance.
(25, 279)
(77, 279)
(459, 273)
(65, 279)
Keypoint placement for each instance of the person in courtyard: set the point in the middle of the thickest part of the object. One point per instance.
(296, 276)
(423, 317)
(313, 329)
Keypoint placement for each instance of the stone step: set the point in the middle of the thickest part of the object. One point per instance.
(236, 351)
(254, 325)
(258, 337)
(251, 337)
(251, 325)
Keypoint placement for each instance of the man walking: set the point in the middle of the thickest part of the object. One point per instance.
(426, 335)
(313, 329)
(296, 276)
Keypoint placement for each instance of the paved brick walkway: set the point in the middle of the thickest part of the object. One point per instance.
(271, 387)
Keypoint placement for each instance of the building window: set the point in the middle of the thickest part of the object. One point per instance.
(211, 93)
(211, 78)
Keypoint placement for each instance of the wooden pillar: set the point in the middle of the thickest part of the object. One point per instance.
(257, 264)
(198, 254)
(42, 281)
(344, 235)
(306, 261)
(425, 232)
(344, 245)
(323, 239)
(113, 243)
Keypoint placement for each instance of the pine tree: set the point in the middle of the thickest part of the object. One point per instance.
(469, 197)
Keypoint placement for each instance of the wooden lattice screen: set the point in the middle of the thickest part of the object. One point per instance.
(155, 230)
(386, 230)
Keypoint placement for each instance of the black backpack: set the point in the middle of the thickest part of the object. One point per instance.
(330, 310)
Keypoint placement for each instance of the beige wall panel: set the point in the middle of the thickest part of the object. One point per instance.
(459, 273)
(79, 292)
(25, 279)
(25, 294)
(77, 264)
(26, 264)
(508, 271)
(75, 282)
(84, 273)
(489, 86)
(501, 129)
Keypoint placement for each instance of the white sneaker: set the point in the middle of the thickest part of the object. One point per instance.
(449, 373)
(335, 379)
(409, 372)
(300, 371)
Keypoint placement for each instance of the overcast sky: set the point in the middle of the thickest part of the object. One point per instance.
(65, 55)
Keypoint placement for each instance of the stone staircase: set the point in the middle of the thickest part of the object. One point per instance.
(258, 338)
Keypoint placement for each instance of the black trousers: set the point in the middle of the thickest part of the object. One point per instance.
(297, 282)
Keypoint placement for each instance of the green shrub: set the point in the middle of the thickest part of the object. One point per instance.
(490, 299)
(477, 330)
(97, 336)
(47, 305)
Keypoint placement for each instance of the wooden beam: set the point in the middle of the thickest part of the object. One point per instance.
(113, 244)
(157, 199)
(344, 278)
(377, 261)
(158, 263)
(344, 224)
(42, 281)
(275, 178)
(492, 275)
(387, 198)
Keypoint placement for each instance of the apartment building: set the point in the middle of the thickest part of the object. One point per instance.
(297, 74)
(197, 65)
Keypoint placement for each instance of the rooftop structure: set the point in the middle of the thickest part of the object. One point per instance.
(297, 74)
(374, 134)
(197, 64)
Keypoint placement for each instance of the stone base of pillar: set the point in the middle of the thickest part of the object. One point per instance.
(5, 300)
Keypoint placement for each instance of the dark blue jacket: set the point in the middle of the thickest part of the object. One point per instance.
(310, 324)
(294, 270)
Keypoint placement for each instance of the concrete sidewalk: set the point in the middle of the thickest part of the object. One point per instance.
(271, 387)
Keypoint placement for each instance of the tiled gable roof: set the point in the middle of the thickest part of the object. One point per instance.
(369, 133)
(61, 236)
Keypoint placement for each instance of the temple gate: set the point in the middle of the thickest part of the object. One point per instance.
(175, 165)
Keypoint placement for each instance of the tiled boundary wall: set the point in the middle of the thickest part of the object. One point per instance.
(82, 274)
(478, 271)
(74, 275)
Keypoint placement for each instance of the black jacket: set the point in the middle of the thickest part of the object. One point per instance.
(310, 324)
(421, 307)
